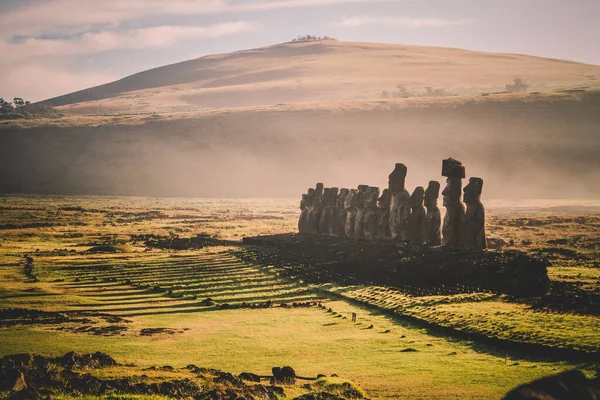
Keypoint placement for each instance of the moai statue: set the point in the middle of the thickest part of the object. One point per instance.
(340, 210)
(371, 222)
(433, 221)
(417, 219)
(454, 171)
(303, 213)
(350, 204)
(316, 206)
(473, 225)
(327, 221)
(399, 205)
(359, 222)
(383, 206)
(323, 216)
(304, 222)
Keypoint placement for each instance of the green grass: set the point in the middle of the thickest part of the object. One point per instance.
(371, 352)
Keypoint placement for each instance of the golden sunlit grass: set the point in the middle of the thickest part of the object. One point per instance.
(168, 289)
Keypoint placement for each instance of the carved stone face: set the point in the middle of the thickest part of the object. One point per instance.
(371, 197)
(397, 179)
(473, 190)
(342, 197)
(319, 189)
(452, 192)
(416, 199)
(431, 194)
(385, 199)
(349, 200)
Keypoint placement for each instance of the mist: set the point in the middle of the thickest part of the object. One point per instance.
(533, 148)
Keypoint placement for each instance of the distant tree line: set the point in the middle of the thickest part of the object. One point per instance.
(310, 38)
(20, 109)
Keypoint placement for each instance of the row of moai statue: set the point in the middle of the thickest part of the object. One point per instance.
(398, 215)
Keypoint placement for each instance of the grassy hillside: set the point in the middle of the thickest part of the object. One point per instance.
(522, 145)
(322, 71)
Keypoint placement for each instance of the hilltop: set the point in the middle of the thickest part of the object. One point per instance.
(322, 71)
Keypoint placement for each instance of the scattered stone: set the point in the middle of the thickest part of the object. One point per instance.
(564, 386)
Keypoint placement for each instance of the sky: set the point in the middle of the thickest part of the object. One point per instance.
(53, 47)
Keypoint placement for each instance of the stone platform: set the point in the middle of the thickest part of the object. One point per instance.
(329, 258)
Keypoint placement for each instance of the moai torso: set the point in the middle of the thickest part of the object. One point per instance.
(399, 205)
(473, 226)
(417, 220)
(371, 223)
(340, 210)
(383, 210)
(350, 204)
(433, 222)
(315, 209)
(454, 172)
(360, 197)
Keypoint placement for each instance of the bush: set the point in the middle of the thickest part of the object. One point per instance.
(517, 86)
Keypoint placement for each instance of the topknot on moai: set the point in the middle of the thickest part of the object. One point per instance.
(473, 226)
(304, 210)
(340, 212)
(454, 171)
(400, 203)
(433, 222)
(359, 222)
(350, 204)
(371, 220)
(316, 205)
(416, 220)
(383, 205)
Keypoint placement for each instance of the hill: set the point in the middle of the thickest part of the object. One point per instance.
(322, 71)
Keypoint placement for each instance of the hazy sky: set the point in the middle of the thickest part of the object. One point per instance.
(52, 47)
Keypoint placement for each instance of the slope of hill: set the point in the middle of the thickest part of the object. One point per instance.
(321, 71)
(522, 145)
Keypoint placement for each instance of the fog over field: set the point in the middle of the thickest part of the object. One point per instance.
(523, 146)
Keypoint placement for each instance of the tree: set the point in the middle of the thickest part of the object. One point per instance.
(6, 107)
(19, 102)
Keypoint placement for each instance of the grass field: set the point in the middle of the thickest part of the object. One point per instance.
(206, 307)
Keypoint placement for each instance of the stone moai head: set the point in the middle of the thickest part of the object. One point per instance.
(452, 192)
(454, 171)
(371, 196)
(310, 193)
(326, 195)
(473, 191)
(385, 200)
(360, 195)
(349, 201)
(397, 179)
(331, 197)
(417, 197)
(431, 194)
(341, 197)
(319, 189)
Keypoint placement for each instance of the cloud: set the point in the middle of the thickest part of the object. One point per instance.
(58, 16)
(400, 22)
(134, 39)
